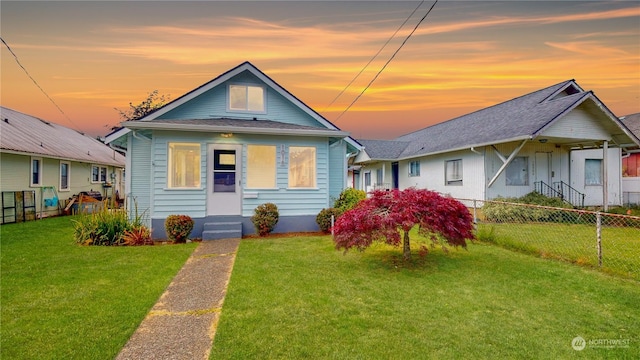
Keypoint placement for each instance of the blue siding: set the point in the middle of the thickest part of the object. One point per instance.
(140, 154)
(337, 169)
(213, 104)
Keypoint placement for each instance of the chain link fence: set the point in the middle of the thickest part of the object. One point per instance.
(604, 241)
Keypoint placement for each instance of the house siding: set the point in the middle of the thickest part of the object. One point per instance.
(140, 153)
(578, 124)
(337, 169)
(213, 104)
(593, 193)
(432, 175)
(16, 172)
(193, 202)
(559, 167)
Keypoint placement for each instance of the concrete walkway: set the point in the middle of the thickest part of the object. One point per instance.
(183, 322)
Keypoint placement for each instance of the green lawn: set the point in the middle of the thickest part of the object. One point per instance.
(65, 301)
(298, 298)
(571, 242)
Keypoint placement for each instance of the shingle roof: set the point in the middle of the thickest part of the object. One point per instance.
(524, 117)
(235, 125)
(24, 133)
(632, 122)
(384, 149)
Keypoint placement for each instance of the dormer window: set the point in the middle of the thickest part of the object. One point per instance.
(248, 98)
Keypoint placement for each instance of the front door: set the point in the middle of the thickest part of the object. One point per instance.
(224, 190)
(543, 167)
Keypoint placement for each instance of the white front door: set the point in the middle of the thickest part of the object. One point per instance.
(543, 167)
(224, 176)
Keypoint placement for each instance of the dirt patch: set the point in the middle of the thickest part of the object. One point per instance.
(285, 235)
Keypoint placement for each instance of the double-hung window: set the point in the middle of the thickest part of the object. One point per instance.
(453, 172)
(261, 166)
(593, 172)
(414, 168)
(302, 167)
(36, 172)
(517, 172)
(183, 170)
(65, 169)
(249, 98)
(98, 174)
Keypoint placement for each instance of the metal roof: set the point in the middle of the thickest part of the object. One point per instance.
(26, 134)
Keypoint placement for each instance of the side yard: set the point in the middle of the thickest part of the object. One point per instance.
(65, 301)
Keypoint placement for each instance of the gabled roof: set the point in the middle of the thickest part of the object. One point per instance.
(524, 117)
(24, 134)
(245, 66)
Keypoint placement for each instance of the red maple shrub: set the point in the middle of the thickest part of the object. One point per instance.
(382, 216)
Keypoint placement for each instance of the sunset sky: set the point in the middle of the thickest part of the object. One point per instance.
(93, 56)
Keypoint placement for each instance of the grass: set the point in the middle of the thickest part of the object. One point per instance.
(65, 301)
(571, 242)
(297, 298)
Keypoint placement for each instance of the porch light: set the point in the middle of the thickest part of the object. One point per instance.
(542, 141)
(226, 135)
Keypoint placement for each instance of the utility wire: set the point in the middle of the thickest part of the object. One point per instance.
(376, 55)
(388, 61)
(38, 85)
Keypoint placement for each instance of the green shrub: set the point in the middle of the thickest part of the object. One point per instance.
(178, 227)
(103, 227)
(265, 218)
(349, 198)
(514, 213)
(324, 218)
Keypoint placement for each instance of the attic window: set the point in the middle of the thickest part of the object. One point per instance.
(248, 98)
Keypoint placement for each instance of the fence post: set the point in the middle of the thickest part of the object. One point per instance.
(475, 217)
(332, 222)
(599, 237)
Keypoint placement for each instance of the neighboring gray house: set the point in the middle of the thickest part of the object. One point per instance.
(222, 149)
(40, 156)
(533, 142)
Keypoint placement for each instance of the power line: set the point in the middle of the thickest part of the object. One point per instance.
(376, 55)
(388, 61)
(36, 83)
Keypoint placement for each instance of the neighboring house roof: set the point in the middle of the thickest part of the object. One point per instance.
(25, 134)
(235, 126)
(245, 66)
(524, 117)
(632, 122)
(383, 149)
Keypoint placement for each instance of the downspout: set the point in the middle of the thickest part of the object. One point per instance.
(473, 150)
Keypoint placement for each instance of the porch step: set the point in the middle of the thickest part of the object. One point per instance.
(222, 230)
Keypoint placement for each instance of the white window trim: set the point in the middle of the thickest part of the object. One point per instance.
(68, 188)
(315, 172)
(247, 85)
(169, 164)
(453, 182)
(601, 172)
(100, 167)
(416, 174)
(41, 167)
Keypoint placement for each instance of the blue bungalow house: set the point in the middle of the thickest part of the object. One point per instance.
(222, 149)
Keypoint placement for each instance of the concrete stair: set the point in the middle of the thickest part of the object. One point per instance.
(222, 230)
